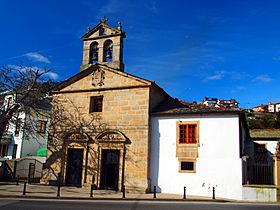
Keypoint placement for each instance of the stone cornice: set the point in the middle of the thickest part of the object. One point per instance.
(101, 89)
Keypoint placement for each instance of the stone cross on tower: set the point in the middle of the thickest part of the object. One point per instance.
(104, 20)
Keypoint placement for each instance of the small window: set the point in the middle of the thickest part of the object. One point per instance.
(96, 104)
(9, 102)
(4, 150)
(41, 126)
(187, 166)
(187, 133)
(101, 31)
(18, 127)
(7, 127)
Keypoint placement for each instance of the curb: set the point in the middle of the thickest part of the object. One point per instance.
(115, 199)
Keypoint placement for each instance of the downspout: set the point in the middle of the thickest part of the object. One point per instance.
(23, 135)
(123, 166)
(86, 164)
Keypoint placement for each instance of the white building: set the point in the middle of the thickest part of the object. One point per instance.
(202, 149)
(25, 134)
(210, 101)
(274, 107)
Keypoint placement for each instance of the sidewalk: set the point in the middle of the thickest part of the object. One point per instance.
(66, 192)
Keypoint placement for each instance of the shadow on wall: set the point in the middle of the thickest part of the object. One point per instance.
(49, 173)
(155, 147)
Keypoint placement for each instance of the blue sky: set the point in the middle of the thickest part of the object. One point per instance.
(192, 48)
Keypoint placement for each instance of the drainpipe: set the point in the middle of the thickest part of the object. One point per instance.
(123, 167)
(98, 167)
(23, 134)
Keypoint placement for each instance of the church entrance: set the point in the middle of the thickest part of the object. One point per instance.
(74, 167)
(110, 164)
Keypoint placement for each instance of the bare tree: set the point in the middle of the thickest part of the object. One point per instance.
(28, 87)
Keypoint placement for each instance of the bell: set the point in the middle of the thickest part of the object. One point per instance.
(109, 54)
(95, 57)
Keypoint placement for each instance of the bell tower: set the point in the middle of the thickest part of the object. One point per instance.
(103, 44)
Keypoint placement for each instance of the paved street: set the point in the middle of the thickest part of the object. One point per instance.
(32, 204)
(46, 191)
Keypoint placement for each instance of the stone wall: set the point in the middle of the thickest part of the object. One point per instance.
(125, 109)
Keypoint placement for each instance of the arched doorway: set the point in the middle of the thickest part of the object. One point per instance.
(110, 164)
(76, 147)
(74, 167)
(112, 159)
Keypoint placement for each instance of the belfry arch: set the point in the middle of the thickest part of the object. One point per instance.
(108, 51)
(94, 52)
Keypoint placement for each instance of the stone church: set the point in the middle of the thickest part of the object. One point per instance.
(106, 142)
(113, 129)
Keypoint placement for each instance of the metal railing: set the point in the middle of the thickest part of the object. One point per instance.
(261, 172)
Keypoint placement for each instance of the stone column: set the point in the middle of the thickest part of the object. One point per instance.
(86, 53)
(276, 170)
(276, 158)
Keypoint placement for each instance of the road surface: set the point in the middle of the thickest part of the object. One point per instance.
(52, 204)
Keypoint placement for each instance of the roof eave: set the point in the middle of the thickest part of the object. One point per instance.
(265, 138)
(196, 113)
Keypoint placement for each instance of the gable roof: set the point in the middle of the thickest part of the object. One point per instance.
(91, 69)
(90, 32)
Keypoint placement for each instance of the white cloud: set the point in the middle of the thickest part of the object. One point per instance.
(14, 67)
(52, 75)
(263, 78)
(37, 57)
(216, 76)
(24, 68)
(218, 44)
(232, 75)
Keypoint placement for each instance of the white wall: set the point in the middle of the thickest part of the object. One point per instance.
(32, 140)
(259, 194)
(269, 145)
(23, 167)
(28, 142)
(218, 163)
(17, 139)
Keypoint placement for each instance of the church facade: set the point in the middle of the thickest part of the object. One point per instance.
(106, 141)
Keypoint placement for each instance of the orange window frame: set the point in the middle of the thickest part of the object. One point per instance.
(187, 133)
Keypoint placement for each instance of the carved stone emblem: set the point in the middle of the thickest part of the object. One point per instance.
(98, 77)
(112, 137)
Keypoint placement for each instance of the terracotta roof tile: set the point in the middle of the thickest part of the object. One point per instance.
(176, 106)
